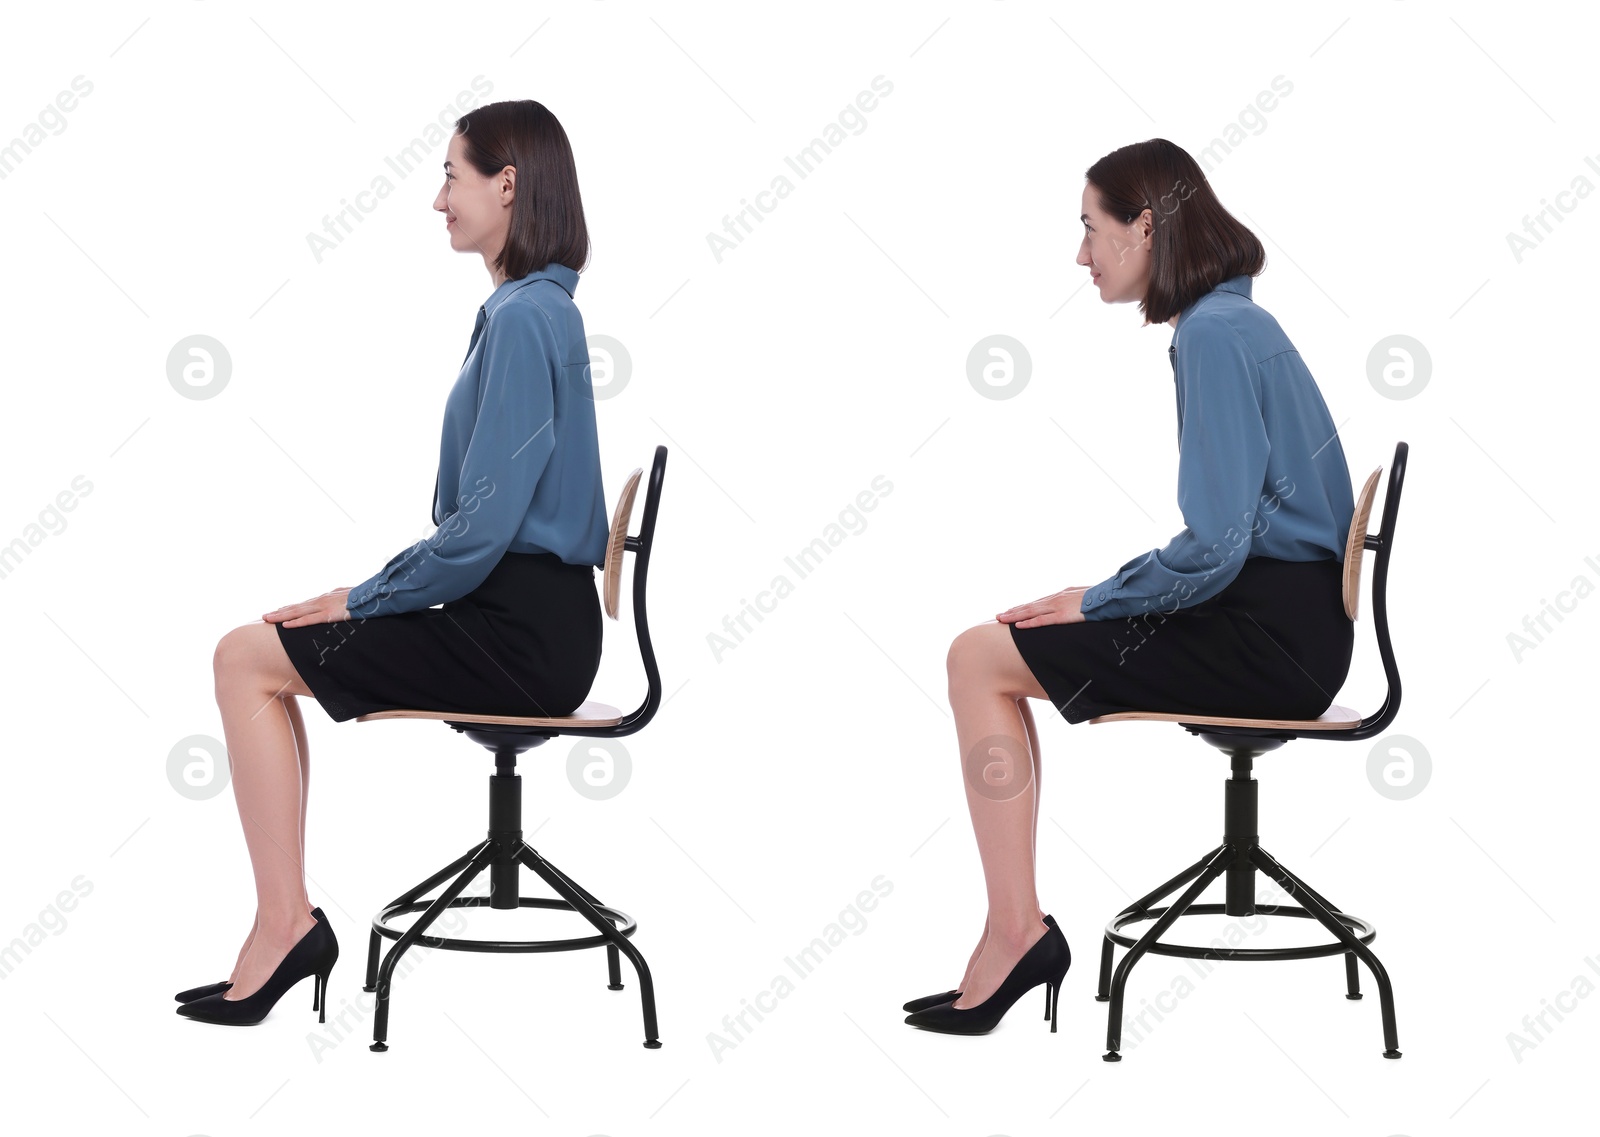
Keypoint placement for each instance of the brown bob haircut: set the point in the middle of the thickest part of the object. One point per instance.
(547, 213)
(1195, 244)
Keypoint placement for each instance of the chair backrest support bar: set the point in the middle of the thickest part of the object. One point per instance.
(1382, 544)
(640, 547)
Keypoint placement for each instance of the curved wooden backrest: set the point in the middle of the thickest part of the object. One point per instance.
(619, 534)
(1357, 543)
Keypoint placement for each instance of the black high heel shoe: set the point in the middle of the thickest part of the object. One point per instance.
(313, 954)
(927, 1001)
(194, 993)
(1045, 962)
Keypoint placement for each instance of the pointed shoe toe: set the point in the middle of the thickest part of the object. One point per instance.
(927, 1001)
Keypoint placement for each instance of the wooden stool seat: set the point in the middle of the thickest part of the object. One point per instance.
(590, 714)
(1334, 718)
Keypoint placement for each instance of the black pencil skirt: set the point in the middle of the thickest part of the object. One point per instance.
(1275, 643)
(525, 642)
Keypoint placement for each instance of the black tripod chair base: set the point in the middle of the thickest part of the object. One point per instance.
(1362, 929)
(1238, 858)
(504, 853)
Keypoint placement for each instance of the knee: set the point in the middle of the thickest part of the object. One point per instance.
(963, 661)
(230, 659)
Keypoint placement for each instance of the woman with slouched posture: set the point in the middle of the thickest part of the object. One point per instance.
(1240, 614)
(522, 526)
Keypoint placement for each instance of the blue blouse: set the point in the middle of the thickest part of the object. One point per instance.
(1261, 472)
(519, 457)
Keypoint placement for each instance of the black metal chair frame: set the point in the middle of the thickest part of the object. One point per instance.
(1240, 855)
(504, 851)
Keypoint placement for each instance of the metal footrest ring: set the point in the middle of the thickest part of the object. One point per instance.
(1362, 929)
(624, 922)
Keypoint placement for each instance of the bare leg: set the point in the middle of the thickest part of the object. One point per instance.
(302, 745)
(987, 679)
(1038, 769)
(253, 676)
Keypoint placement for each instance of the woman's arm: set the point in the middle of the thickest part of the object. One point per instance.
(512, 440)
(1222, 469)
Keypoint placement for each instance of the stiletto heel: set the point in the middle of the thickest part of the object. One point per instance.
(1045, 962)
(314, 955)
(194, 993)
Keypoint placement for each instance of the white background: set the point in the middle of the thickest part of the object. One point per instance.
(829, 348)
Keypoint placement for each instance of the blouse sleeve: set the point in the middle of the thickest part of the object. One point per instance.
(512, 440)
(1222, 467)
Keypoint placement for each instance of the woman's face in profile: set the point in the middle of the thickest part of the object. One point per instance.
(477, 209)
(1117, 255)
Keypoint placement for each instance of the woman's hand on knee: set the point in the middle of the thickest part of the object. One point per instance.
(325, 609)
(1064, 607)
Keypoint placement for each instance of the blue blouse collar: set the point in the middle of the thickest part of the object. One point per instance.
(1239, 284)
(567, 278)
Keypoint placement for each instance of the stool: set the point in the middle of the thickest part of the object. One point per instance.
(504, 850)
(1240, 855)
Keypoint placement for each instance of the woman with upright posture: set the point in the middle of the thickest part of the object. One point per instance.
(521, 519)
(1240, 614)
